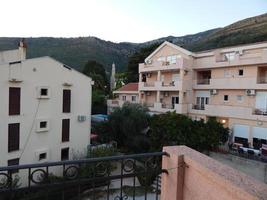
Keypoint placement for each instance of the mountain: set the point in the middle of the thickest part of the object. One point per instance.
(76, 51)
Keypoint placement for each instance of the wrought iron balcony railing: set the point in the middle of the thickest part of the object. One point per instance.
(115, 177)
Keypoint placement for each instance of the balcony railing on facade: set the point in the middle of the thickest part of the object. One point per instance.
(204, 81)
(198, 107)
(167, 106)
(82, 179)
(258, 111)
(262, 80)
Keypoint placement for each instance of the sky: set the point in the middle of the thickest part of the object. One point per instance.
(121, 20)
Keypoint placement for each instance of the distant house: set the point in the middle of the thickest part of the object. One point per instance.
(127, 93)
(45, 109)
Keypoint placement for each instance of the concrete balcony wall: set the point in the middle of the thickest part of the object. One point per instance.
(115, 103)
(245, 59)
(195, 176)
(156, 66)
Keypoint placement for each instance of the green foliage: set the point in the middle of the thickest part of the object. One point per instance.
(128, 122)
(174, 129)
(145, 176)
(97, 72)
(126, 126)
(121, 79)
(135, 59)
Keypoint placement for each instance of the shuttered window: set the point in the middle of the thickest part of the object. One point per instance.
(66, 101)
(14, 101)
(13, 162)
(65, 130)
(13, 137)
(65, 154)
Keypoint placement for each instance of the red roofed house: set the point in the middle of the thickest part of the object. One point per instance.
(127, 93)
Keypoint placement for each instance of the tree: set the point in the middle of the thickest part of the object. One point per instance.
(101, 87)
(135, 59)
(126, 125)
(97, 72)
(175, 129)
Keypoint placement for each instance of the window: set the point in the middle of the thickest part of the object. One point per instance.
(65, 154)
(14, 101)
(229, 56)
(42, 156)
(240, 72)
(172, 59)
(225, 97)
(134, 98)
(124, 98)
(13, 162)
(43, 124)
(44, 91)
(239, 98)
(66, 101)
(13, 137)
(65, 130)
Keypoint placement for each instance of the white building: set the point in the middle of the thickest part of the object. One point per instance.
(45, 109)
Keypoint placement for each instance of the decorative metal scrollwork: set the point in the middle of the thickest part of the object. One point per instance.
(39, 176)
(102, 168)
(125, 197)
(5, 180)
(71, 173)
(129, 165)
(151, 163)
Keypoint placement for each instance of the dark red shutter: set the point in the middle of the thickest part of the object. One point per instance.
(66, 101)
(13, 137)
(65, 130)
(65, 154)
(14, 101)
(13, 162)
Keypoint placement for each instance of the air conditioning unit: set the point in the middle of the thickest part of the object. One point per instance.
(213, 92)
(81, 118)
(149, 62)
(148, 93)
(250, 92)
(148, 75)
(166, 94)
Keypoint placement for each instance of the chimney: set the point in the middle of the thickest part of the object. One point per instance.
(22, 49)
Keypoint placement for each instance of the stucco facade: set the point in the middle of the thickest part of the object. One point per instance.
(229, 84)
(40, 119)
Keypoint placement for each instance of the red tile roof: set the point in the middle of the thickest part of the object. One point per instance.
(129, 87)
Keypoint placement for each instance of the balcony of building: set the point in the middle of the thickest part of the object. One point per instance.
(176, 173)
(115, 103)
(203, 77)
(233, 57)
(153, 65)
(262, 75)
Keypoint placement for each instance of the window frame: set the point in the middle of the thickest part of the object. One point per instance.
(226, 95)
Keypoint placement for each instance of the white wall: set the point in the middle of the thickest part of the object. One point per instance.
(38, 72)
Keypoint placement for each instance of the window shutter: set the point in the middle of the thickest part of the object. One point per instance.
(13, 162)
(65, 130)
(13, 137)
(14, 101)
(66, 101)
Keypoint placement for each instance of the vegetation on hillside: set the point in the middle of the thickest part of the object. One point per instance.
(135, 59)
(77, 51)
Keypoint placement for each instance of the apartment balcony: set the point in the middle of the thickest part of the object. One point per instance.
(161, 86)
(181, 63)
(168, 107)
(235, 60)
(231, 83)
(115, 103)
(185, 174)
(228, 111)
(258, 111)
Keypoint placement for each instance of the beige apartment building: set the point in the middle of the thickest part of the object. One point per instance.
(228, 83)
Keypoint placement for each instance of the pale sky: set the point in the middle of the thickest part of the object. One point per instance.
(121, 20)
